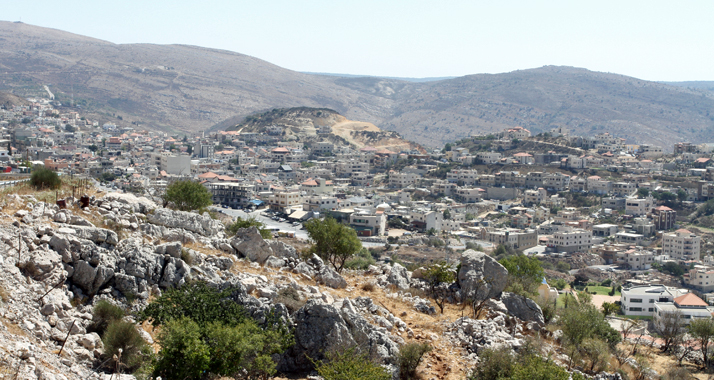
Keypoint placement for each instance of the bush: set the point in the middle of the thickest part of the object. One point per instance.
(187, 195)
(44, 178)
(103, 314)
(290, 298)
(197, 301)
(334, 242)
(501, 364)
(204, 332)
(181, 343)
(349, 365)
(362, 260)
(409, 358)
(124, 336)
(232, 228)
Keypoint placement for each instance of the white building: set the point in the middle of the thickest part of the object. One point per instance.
(688, 305)
(681, 245)
(368, 224)
(640, 300)
(638, 206)
(571, 240)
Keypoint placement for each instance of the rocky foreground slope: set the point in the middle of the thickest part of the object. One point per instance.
(69, 259)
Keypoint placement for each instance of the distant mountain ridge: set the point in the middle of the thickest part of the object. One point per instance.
(189, 88)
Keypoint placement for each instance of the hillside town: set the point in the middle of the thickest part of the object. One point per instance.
(594, 210)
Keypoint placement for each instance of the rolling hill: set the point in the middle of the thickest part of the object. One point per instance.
(189, 88)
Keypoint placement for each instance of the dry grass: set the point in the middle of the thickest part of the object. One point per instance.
(4, 295)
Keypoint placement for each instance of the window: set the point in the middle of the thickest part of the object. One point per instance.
(635, 309)
(652, 301)
(636, 300)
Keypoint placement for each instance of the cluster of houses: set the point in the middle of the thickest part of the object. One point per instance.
(494, 194)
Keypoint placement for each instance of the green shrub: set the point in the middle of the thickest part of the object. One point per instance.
(204, 333)
(290, 298)
(184, 354)
(124, 336)
(103, 314)
(232, 228)
(409, 358)
(362, 260)
(187, 195)
(501, 364)
(494, 364)
(349, 365)
(197, 301)
(44, 178)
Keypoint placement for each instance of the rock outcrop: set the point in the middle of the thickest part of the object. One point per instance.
(481, 276)
(322, 328)
(522, 307)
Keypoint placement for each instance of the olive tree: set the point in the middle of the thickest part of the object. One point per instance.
(187, 195)
(334, 242)
(440, 276)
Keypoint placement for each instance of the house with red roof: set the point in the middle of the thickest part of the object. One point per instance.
(686, 308)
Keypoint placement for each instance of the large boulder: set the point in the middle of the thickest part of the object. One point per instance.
(137, 204)
(399, 276)
(282, 250)
(331, 278)
(190, 221)
(96, 235)
(250, 244)
(481, 276)
(321, 329)
(523, 308)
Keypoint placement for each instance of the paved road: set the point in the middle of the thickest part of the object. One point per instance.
(283, 226)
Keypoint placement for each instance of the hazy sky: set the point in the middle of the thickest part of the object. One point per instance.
(654, 40)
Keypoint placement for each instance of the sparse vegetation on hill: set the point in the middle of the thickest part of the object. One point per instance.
(226, 86)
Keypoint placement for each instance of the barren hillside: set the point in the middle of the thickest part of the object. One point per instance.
(189, 88)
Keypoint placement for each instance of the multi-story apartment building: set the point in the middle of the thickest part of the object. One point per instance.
(369, 224)
(623, 189)
(534, 196)
(231, 194)
(681, 245)
(489, 157)
(598, 185)
(463, 177)
(516, 238)
(556, 181)
(636, 259)
(173, 164)
(399, 180)
(638, 206)
(285, 201)
(425, 220)
(701, 278)
(319, 203)
(571, 240)
(469, 195)
(664, 217)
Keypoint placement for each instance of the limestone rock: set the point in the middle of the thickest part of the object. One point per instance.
(250, 244)
(190, 221)
(523, 308)
(481, 276)
(399, 276)
(331, 278)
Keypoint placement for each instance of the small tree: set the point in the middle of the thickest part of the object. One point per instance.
(251, 221)
(670, 328)
(44, 178)
(703, 331)
(333, 242)
(524, 274)
(439, 276)
(187, 195)
(410, 356)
